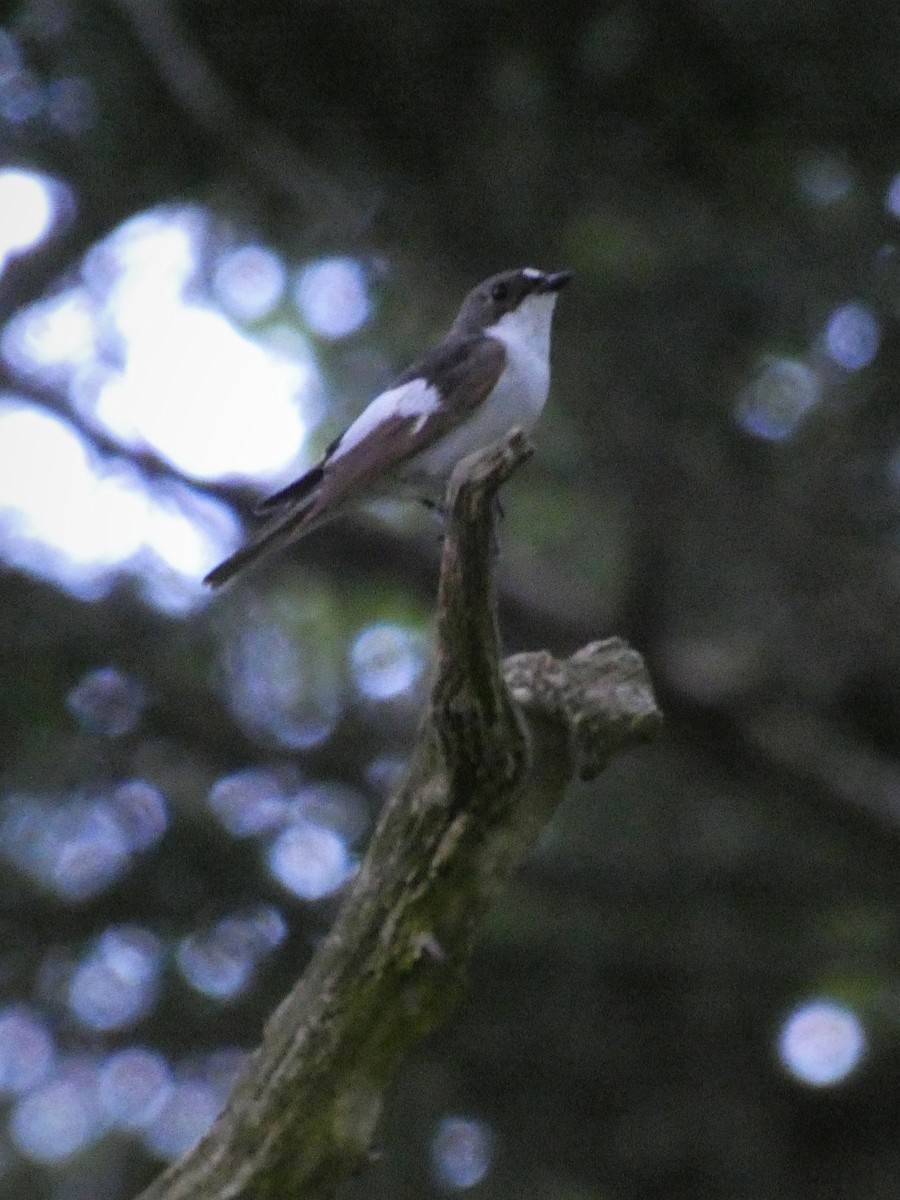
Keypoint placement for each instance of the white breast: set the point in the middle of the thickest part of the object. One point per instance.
(522, 390)
(517, 399)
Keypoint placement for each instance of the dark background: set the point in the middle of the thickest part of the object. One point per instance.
(716, 479)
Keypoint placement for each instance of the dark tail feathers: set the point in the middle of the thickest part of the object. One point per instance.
(277, 535)
(298, 490)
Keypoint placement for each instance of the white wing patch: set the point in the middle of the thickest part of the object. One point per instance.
(414, 399)
(532, 273)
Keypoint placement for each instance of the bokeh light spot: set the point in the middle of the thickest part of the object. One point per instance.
(76, 847)
(116, 984)
(26, 1049)
(220, 962)
(142, 811)
(333, 297)
(27, 210)
(186, 383)
(249, 282)
(58, 1118)
(283, 685)
(310, 861)
(58, 514)
(386, 660)
(107, 702)
(21, 97)
(53, 336)
(461, 1152)
(248, 802)
(892, 199)
(67, 515)
(143, 361)
(134, 1085)
(212, 402)
(821, 1043)
(825, 180)
(188, 1112)
(334, 806)
(778, 400)
(853, 336)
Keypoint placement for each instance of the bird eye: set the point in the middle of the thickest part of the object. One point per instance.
(499, 292)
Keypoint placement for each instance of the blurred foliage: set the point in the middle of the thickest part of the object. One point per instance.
(717, 174)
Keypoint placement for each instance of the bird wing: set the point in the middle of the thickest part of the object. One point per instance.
(405, 419)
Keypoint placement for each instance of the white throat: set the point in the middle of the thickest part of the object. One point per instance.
(522, 390)
(525, 332)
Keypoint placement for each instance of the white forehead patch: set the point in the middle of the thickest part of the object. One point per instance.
(532, 273)
(414, 399)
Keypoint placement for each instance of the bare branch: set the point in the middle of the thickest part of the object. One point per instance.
(488, 771)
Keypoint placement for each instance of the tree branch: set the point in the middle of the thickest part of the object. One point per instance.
(490, 767)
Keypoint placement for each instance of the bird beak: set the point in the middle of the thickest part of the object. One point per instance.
(555, 282)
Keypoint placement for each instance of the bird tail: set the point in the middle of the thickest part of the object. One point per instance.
(277, 535)
(300, 489)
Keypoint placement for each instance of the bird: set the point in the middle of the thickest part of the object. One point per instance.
(490, 374)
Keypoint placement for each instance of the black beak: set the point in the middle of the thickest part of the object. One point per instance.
(555, 282)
